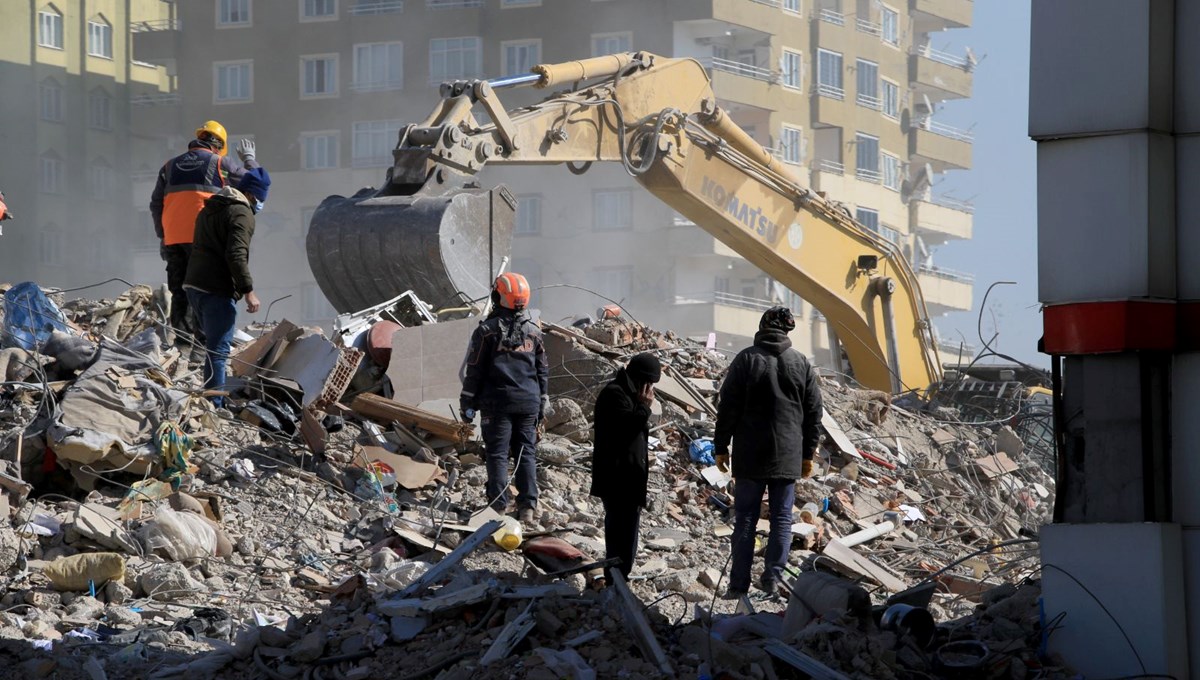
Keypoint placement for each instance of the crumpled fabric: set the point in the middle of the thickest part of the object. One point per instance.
(175, 446)
(29, 317)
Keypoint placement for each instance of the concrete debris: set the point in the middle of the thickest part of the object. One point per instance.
(332, 522)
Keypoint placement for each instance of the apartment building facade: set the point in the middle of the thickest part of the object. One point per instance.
(323, 86)
(72, 92)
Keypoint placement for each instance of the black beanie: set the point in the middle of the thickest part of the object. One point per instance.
(644, 368)
(778, 318)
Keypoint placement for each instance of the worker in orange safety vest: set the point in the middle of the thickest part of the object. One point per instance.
(184, 183)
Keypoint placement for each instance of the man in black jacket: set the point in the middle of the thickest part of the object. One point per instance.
(771, 408)
(619, 454)
(507, 379)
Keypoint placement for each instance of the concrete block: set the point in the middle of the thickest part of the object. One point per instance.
(1140, 586)
(1112, 67)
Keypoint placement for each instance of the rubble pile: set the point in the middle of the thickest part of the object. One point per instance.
(312, 530)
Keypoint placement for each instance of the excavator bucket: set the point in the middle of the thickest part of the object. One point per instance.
(445, 247)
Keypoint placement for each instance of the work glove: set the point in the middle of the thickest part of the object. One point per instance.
(722, 462)
(808, 469)
(162, 251)
(245, 150)
(468, 415)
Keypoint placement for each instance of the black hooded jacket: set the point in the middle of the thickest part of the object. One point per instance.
(506, 370)
(621, 442)
(771, 408)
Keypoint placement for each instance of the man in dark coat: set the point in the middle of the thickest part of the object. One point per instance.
(218, 271)
(619, 454)
(770, 407)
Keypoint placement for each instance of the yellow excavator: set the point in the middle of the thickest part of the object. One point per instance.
(432, 230)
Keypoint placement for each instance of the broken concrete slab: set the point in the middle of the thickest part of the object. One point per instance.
(103, 525)
(426, 359)
(632, 611)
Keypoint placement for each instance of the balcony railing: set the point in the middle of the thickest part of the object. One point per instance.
(726, 299)
(867, 101)
(157, 25)
(830, 16)
(826, 165)
(770, 3)
(947, 274)
(944, 57)
(453, 4)
(831, 91)
(377, 86)
(868, 27)
(953, 204)
(740, 69)
(946, 130)
(389, 7)
(143, 64)
(155, 100)
(867, 175)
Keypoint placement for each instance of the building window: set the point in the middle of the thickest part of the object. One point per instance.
(614, 283)
(867, 157)
(100, 181)
(233, 12)
(99, 41)
(889, 233)
(314, 305)
(520, 3)
(868, 84)
(50, 96)
(891, 99)
(318, 76)
(829, 74)
(529, 215)
(319, 150)
(233, 81)
(611, 43)
(52, 175)
(892, 172)
(318, 9)
(50, 28)
(792, 73)
(99, 110)
(791, 145)
(792, 6)
(373, 143)
(868, 218)
(50, 245)
(454, 59)
(612, 210)
(379, 66)
(890, 22)
(520, 56)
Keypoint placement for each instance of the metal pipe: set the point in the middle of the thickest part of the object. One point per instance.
(514, 81)
(871, 533)
(718, 122)
(884, 287)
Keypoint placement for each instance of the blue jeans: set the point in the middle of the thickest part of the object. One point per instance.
(747, 504)
(218, 318)
(513, 435)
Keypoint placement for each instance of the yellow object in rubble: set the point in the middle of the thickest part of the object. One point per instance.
(508, 536)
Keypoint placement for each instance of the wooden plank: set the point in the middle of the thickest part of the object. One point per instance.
(847, 558)
(449, 562)
(509, 637)
(636, 620)
(838, 435)
(386, 411)
(802, 662)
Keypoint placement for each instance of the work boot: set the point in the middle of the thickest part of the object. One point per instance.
(527, 517)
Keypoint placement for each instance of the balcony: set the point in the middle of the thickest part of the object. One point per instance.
(155, 41)
(829, 178)
(828, 106)
(830, 16)
(940, 75)
(867, 175)
(743, 83)
(868, 27)
(945, 290)
(165, 99)
(938, 15)
(739, 69)
(941, 219)
(453, 4)
(157, 25)
(689, 240)
(868, 102)
(725, 313)
(372, 7)
(942, 146)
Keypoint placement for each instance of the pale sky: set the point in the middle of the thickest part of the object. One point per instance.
(1002, 183)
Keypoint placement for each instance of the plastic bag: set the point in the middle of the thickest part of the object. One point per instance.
(74, 572)
(181, 535)
(29, 317)
(701, 451)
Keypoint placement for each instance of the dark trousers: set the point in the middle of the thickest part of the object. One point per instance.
(218, 319)
(621, 519)
(511, 435)
(747, 504)
(177, 264)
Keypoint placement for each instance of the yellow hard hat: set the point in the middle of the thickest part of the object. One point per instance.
(214, 129)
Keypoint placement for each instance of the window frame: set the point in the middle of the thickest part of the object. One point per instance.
(101, 26)
(606, 36)
(858, 210)
(799, 71)
(784, 147)
(518, 223)
(331, 57)
(306, 18)
(528, 42)
(898, 166)
(374, 160)
(218, 65)
(99, 95)
(358, 84)
(797, 9)
(57, 23)
(235, 24)
(598, 272)
(57, 175)
(875, 174)
(884, 10)
(46, 87)
(883, 100)
(335, 155)
(597, 194)
(50, 239)
(477, 70)
(840, 87)
(870, 101)
(101, 180)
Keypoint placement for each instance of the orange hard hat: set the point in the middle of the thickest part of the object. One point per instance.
(513, 290)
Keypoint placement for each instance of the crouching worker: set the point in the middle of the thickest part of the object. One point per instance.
(218, 273)
(619, 455)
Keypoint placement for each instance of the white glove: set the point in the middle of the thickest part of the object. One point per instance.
(245, 150)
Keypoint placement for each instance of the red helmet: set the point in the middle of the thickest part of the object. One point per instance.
(513, 290)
